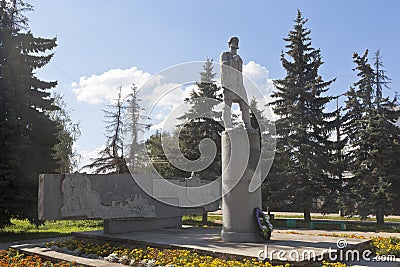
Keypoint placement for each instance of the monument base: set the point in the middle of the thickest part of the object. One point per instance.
(117, 226)
(240, 156)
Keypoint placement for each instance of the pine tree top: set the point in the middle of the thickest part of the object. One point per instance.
(207, 75)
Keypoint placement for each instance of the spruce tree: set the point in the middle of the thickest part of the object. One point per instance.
(267, 132)
(373, 139)
(135, 126)
(112, 158)
(202, 121)
(303, 127)
(27, 135)
(381, 80)
(266, 129)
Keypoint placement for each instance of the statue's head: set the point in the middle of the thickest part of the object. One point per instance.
(234, 42)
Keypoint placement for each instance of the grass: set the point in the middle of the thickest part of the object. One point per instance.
(196, 220)
(355, 225)
(23, 229)
(334, 217)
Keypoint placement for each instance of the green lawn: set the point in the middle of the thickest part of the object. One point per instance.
(23, 229)
(334, 217)
(213, 220)
(355, 225)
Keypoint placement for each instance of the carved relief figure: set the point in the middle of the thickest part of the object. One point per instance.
(80, 200)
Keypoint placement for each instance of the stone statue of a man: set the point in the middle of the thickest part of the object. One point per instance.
(232, 83)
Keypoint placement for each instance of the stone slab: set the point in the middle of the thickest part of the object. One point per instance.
(105, 196)
(208, 241)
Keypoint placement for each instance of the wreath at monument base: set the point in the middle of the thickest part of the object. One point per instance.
(263, 223)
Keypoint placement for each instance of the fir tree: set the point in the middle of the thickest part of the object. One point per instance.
(267, 131)
(135, 126)
(202, 121)
(303, 128)
(27, 135)
(373, 140)
(111, 158)
(381, 80)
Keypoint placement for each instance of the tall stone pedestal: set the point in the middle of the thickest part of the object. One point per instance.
(240, 156)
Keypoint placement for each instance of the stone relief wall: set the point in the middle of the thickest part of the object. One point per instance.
(79, 199)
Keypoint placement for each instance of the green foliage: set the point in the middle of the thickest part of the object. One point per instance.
(155, 151)
(27, 135)
(266, 128)
(122, 117)
(23, 229)
(373, 140)
(135, 126)
(111, 158)
(303, 155)
(202, 121)
(68, 133)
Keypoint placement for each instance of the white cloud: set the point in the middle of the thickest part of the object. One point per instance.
(260, 76)
(169, 105)
(166, 95)
(103, 88)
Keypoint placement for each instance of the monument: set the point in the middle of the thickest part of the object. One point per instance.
(117, 199)
(240, 155)
(126, 205)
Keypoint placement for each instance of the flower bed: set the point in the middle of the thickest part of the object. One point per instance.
(333, 264)
(150, 257)
(386, 246)
(12, 258)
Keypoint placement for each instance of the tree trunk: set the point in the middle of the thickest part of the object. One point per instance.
(307, 215)
(380, 218)
(204, 218)
(341, 213)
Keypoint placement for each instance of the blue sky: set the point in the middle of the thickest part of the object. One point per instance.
(140, 38)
